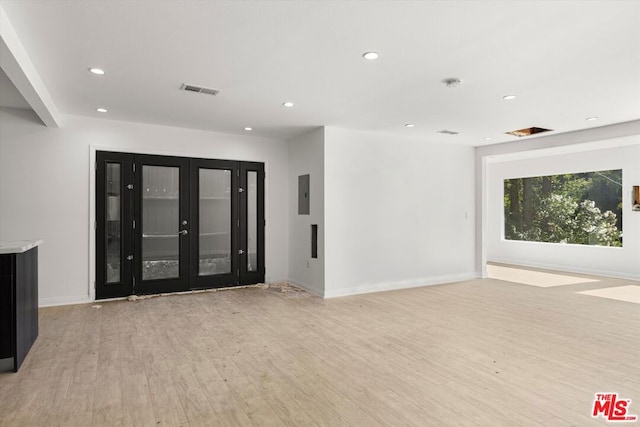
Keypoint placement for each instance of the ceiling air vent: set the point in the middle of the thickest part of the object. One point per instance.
(528, 131)
(447, 132)
(199, 89)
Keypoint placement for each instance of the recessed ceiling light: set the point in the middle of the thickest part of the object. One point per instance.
(98, 71)
(248, 129)
(487, 138)
(370, 55)
(101, 110)
(509, 97)
(288, 104)
(590, 119)
(409, 125)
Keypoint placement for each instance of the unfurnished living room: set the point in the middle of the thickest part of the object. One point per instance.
(337, 213)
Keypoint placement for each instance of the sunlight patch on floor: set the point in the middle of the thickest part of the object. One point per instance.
(533, 278)
(630, 293)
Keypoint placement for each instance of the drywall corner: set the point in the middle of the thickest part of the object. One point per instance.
(306, 157)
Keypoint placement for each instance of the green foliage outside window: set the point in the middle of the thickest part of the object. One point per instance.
(580, 208)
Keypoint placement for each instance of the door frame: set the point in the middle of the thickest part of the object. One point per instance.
(92, 223)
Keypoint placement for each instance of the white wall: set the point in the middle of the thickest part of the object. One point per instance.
(609, 136)
(398, 212)
(46, 178)
(619, 262)
(306, 156)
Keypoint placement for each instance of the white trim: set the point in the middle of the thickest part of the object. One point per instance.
(484, 218)
(392, 286)
(306, 287)
(481, 211)
(565, 268)
(56, 301)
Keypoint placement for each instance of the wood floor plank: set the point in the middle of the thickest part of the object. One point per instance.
(75, 405)
(482, 352)
(108, 406)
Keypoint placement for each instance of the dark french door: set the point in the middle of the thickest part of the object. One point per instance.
(168, 224)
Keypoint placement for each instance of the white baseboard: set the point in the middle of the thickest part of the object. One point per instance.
(52, 302)
(567, 268)
(312, 289)
(406, 284)
(355, 290)
(57, 301)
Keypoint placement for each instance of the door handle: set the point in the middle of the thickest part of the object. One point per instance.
(183, 232)
(240, 252)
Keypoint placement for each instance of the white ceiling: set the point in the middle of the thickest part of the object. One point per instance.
(565, 60)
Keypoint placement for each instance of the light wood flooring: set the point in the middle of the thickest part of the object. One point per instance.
(479, 353)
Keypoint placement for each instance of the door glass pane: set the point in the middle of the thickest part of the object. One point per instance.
(112, 230)
(252, 221)
(214, 239)
(160, 222)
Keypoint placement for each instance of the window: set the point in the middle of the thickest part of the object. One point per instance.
(579, 208)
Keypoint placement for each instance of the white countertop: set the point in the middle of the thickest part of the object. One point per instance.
(18, 246)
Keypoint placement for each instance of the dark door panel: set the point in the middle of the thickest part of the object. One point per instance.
(251, 245)
(170, 224)
(114, 220)
(162, 224)
(214, 220)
